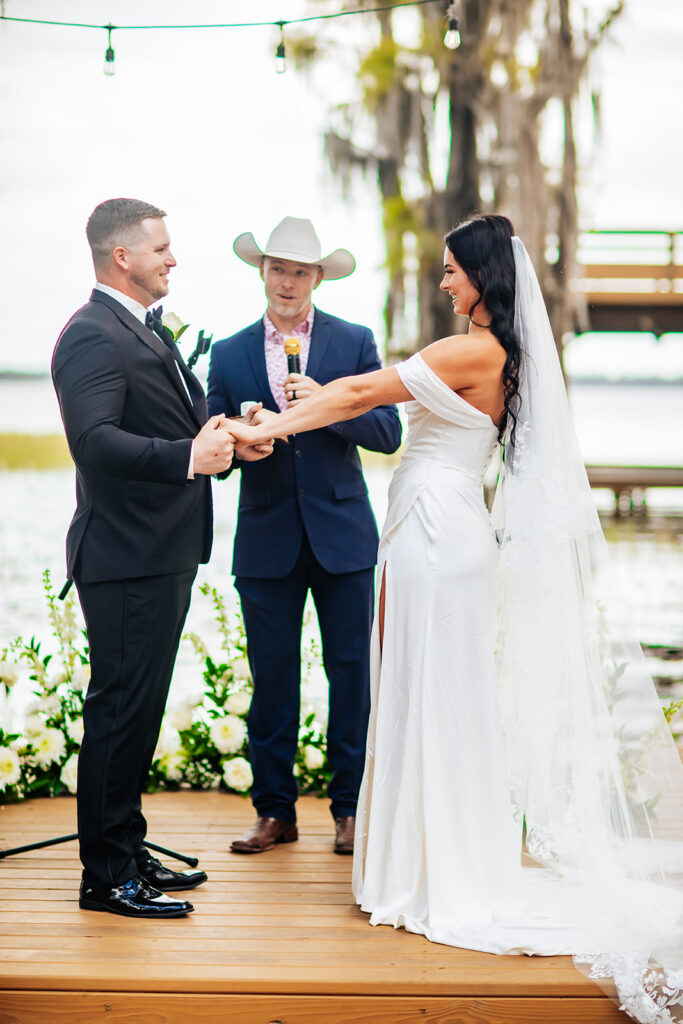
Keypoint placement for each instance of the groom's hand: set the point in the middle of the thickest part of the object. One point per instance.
(213, 447)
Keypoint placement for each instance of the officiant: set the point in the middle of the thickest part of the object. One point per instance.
(305, 524)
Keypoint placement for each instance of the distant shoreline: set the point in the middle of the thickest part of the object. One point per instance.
(37, 376)
(24, 375)
(34, 451)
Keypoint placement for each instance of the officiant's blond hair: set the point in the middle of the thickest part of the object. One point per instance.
(117, 222)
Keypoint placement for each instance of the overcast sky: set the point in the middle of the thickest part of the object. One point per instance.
(199, 123)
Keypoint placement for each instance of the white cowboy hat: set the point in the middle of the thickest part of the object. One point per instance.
(295, 239)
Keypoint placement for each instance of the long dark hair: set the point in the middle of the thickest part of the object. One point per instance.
(482, 246)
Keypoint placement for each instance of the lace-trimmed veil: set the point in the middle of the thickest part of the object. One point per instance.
(594, 771)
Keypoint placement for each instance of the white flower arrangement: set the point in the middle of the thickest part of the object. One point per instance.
(228, 734)
(33, 726)
(240, 669)
(172, 764)
(9, 673)
(180, 717)
(80, 677)
(69, 773)
(10, 768)
(203, 741)
(238, 703)
(74, 730)
(237, 774)
(314, 758)
(48, 747)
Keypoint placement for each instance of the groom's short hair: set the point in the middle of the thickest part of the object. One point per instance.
(117, 222)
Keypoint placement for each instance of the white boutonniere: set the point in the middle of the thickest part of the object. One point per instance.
(174, 324)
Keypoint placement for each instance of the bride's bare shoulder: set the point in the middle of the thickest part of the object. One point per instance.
(464, 353)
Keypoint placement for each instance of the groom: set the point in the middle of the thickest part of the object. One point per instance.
(138, 430)
(304, 524)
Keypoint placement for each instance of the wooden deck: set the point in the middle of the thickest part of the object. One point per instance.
(275, 939)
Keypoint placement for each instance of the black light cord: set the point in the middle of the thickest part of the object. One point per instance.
(235, 24)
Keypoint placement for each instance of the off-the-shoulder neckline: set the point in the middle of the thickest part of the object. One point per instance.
(455, 394)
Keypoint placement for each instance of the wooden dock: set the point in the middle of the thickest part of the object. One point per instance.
(275, 939)
(630, 281)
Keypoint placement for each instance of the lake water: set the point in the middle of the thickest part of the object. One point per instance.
(616, 424)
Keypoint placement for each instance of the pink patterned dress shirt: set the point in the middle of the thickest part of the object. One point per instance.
(276, 360)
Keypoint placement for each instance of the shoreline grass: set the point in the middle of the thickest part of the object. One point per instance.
(34, 451)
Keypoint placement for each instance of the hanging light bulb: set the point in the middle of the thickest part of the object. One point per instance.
(452, 38)
(280, 61)
(109, 65)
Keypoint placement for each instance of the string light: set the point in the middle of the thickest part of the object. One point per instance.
(280, 60)
(109, 66)
(452, 39)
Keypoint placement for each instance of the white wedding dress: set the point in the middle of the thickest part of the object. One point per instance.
(438, 849)
(504, 695)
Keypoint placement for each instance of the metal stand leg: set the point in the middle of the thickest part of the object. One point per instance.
(190, 861)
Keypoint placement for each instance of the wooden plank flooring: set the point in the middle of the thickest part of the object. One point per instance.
(275, 938)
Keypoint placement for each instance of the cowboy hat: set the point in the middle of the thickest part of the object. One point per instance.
(295, 239)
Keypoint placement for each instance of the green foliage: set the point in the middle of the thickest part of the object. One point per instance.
(378, 72)
(671, 709)
(303, 51)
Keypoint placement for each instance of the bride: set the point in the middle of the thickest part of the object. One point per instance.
(511, 712)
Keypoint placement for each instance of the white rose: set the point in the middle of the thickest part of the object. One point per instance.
(173, 322)
(80, 677)
(48, 747)
(228, 734)
(74, 727)
(172, 765)
(168, 744)
(313, 758)
(180, 717)
(237, 774)
(240, 669)
(69, 773)
(238, 703)
(10, 767)
(9, 673)
(33, 723)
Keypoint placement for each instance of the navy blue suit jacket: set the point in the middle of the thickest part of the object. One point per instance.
(315, 482)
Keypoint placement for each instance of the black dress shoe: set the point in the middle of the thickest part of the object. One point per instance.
(154, 873)
(135, 898)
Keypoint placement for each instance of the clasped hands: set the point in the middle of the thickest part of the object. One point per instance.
(217, 442)
(220, 438)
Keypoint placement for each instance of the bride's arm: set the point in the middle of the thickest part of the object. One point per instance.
(341, 399)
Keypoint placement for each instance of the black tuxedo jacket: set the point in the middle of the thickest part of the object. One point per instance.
(130, 423)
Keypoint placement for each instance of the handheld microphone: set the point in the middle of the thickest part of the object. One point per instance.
(293, 351)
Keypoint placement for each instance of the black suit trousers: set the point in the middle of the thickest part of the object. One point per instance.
(134, 628)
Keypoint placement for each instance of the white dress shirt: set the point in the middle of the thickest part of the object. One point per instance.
(140, 312)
